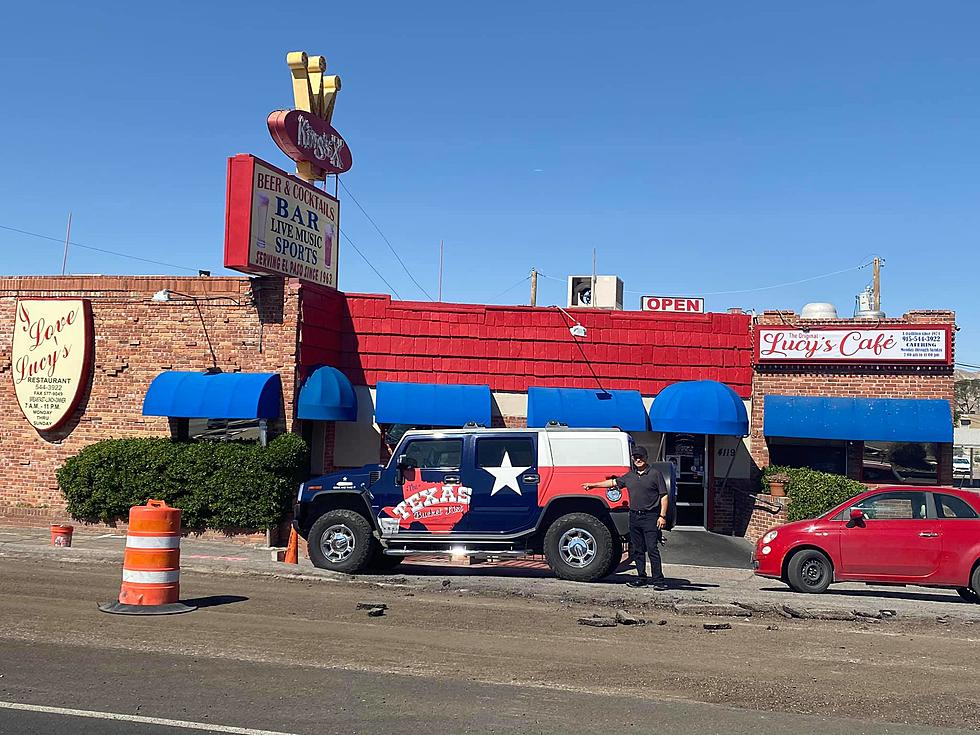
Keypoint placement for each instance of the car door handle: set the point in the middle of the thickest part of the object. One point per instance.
(451, 478)
(530, 478)
(928, 534)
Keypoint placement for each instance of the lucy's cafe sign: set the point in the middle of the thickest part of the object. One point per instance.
(52, 347)
(899, 344)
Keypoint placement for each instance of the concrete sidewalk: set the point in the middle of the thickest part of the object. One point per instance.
(695, 589)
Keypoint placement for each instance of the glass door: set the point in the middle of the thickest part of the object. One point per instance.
(687, 453)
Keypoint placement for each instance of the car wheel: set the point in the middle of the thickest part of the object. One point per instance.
(616, 558)
(968, 594)
(809, 571)
(341, 541)
(579, 547)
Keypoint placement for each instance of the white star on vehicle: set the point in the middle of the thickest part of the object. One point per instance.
(505, 476)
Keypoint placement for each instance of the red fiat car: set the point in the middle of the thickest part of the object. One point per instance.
(928, 536)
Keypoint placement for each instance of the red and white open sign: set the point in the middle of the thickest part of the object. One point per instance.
(675, 304)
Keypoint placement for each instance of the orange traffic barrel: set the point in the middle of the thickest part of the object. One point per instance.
(151, 564)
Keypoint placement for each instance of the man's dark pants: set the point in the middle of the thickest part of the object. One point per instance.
(644, 540)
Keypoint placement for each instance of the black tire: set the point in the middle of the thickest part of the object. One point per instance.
(974, 588)
(968, 594)
(347, 527)
(585, 538)
(809, 571)
(616, 558)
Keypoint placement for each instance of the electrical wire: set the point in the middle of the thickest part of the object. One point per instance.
(387, 241)
(370, 264)
(99, 250)
(511, 288)
(751, 290)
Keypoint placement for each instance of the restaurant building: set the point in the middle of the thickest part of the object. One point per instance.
(721, 395)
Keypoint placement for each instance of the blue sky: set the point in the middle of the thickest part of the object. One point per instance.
(699, 147)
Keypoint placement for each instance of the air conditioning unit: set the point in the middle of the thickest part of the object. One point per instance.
(607, 293)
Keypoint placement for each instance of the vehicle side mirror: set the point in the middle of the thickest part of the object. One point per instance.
(857, 517)
(400, 462)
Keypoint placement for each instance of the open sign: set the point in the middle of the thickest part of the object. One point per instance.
(675, 304)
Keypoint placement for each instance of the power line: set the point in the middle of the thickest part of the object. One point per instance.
(752, 290)
(511, 288)
(370, 264)
(99, 250)
(387, 241)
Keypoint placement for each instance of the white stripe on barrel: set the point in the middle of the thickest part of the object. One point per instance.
(138, 577)
(153, 542)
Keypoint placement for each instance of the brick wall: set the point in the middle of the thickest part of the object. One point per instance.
(251, 324)
(765, 511)
(871, 381)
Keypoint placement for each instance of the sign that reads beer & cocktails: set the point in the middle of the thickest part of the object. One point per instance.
(275, 223)
(51, 352)
(892, 344)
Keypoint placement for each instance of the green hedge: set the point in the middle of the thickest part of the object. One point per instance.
(218, 485)
(812, 493)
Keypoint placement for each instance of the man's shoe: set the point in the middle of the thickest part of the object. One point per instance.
(660, 586)
(638, 582)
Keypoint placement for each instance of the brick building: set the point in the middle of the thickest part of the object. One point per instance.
(679, 381)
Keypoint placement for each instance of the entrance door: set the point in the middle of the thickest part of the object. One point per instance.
(687, 453)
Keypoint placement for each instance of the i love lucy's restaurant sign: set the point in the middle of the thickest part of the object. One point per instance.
(926, 345)
(52, 347)
(275, 223)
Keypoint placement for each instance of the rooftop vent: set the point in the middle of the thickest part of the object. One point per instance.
(819, 310)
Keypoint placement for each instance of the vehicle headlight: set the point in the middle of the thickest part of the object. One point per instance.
(770, 537)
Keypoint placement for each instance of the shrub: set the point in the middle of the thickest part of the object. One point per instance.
(812, 493)
(218, 485)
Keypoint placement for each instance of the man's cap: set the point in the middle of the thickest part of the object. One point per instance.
(639, 452)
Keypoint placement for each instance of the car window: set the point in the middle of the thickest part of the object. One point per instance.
(950, 506)
(434, 453)
(896, 506)
(519, 451)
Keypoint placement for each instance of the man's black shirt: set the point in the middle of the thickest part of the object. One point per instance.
(645, 489)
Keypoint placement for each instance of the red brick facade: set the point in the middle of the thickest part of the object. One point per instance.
(251, 326)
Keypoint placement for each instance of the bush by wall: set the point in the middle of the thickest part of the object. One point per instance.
(217, 485)
(812, 493)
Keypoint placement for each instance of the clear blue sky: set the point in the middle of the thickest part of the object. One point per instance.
(701, 147)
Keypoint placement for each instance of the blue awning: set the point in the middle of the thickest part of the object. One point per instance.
(858, 419)
(197, 395)
(583, 408)
(431, 404)
(699, 407)
(327, 395)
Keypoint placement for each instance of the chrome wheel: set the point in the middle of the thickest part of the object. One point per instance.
(337, 543)
(577, 547)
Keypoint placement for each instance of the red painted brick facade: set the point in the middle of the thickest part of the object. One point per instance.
(511, 348)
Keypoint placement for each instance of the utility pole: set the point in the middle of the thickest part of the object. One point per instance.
(876, 283)
(534, 286)
(440, 270)
(64, 260)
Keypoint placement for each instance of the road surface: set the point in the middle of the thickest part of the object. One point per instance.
(297, 657)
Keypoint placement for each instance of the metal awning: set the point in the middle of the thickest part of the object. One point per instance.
(583, 408)
(197, 395)
(432, 404)
(858, 419)
(327, 395)
(699, 407)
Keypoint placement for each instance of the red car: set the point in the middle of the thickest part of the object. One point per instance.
(928, 536)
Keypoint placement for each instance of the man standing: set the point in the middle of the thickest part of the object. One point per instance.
(648, 500)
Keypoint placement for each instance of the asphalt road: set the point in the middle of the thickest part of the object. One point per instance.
(297, 657)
